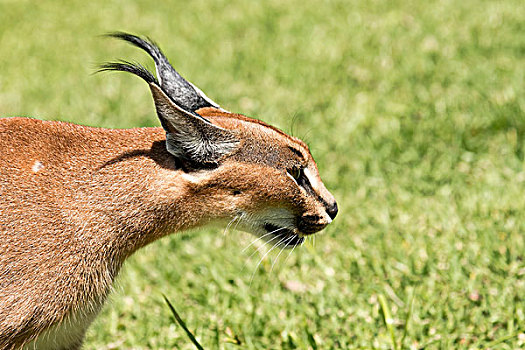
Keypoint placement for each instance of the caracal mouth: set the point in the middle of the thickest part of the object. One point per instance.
(282, 236)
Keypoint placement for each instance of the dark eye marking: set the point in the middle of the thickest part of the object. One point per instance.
(296, 173)
(304, 182)
(296, 151)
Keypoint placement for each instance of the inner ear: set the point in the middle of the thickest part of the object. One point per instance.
(190, 137)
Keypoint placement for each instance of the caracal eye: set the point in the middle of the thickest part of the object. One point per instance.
(296, 172)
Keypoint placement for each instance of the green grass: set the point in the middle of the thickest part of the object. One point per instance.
(415, 113)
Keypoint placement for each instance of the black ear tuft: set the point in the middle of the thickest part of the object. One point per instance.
(133, 68)
(178, 89)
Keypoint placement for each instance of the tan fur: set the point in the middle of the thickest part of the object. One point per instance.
(76, 201)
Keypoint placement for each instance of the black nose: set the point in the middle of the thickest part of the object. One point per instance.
(332, 210)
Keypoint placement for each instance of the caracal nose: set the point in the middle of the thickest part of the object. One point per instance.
(332, 210)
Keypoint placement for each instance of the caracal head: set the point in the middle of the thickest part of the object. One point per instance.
(270, 182)
(240, 170)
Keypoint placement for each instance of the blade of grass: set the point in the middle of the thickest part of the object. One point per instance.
(503, 339)
(389, 321)
(182, 324)
(409, 315)
(311, 339)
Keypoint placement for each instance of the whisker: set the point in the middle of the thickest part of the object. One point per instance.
(256, 250)
(241, 218)
(291, 251)
(285, 217)
(229, 224)
(268, 252)
(255, 240)
(282, 249)
(258, 239)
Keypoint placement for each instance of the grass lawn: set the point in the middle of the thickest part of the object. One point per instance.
(415, 113)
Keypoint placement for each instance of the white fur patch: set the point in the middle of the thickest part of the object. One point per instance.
(316, 185)
(196, 177)
(312, 179)
(37, 166)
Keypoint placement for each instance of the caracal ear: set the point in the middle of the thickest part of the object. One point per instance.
(189, 136)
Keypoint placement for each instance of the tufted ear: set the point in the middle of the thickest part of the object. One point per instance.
(189, 136)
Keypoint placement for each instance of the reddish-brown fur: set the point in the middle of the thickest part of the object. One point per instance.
(76, 201)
